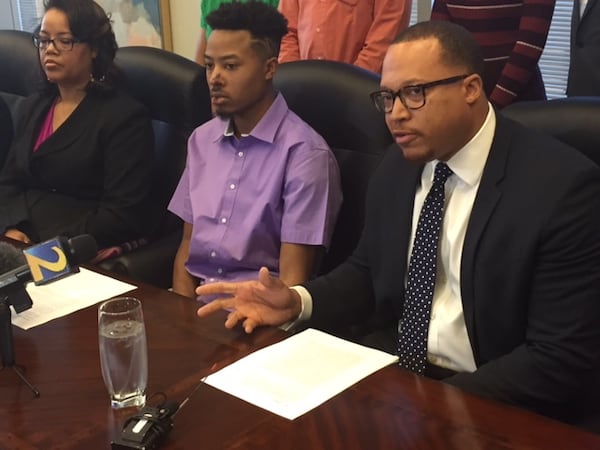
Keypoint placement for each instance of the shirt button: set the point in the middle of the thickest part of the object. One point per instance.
(320, 57)
(213, 254)
(240, 154)
(223, 219)
(318, 30)
(219, 270)
(211, 280)
(232, 186)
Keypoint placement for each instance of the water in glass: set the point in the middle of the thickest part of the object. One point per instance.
(123, 356)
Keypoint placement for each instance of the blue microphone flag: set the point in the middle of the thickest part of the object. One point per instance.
(48, 260)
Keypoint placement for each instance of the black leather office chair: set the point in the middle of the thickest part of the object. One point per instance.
(20, 74)
(175, 92)
(572, 120)
(19, 77)
(333, 98)
(6, 130)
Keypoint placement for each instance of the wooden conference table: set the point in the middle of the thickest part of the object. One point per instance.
(392, 409)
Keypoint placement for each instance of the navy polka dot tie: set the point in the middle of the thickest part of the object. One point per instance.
(412, 337)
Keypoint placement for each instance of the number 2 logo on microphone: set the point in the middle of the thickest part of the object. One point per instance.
(47, 261)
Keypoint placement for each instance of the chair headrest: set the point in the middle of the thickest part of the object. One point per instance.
(20, 72)
(572, 120)
(172, 87)
(333, 98)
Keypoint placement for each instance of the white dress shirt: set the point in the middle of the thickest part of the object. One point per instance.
(447, 343)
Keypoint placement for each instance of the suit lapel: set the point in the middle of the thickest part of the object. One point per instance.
(588, 6)
(411, 176)
(578, 17)
(64, 136)
(488, 195)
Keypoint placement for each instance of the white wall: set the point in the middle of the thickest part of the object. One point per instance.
(185, 23)
(6, 15)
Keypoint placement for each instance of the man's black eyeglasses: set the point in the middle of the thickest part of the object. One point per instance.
(63, 44)
(412, 97)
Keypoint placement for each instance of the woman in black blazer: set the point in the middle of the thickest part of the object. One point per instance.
(82, 155)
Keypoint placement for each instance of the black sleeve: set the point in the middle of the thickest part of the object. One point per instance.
(123, 211)
(559, 356)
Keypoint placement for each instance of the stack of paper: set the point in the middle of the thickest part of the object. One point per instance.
(298, 374)
(68, 295)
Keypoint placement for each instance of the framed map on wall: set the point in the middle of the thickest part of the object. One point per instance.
(140, 22)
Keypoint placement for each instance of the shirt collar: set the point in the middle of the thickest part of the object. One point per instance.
(267, 126)
(468, 163)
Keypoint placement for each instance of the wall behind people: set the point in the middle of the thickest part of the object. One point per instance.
(185, 17)
(184, 21)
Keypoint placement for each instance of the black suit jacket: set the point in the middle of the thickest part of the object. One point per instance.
(530, 271)
(92, 175)
(584, 69)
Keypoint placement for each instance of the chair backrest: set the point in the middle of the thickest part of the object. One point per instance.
(572, 120)
(175, 92)
(333, 98)
(6, 129)
(20, 74)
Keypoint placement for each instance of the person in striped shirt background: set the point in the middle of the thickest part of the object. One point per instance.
(512, 35)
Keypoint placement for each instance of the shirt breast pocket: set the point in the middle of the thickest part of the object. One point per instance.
(350, 2)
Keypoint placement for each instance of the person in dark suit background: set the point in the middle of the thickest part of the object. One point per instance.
(515, 314)
(82, 154)
(584, 68)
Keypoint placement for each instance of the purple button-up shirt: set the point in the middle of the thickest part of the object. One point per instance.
(245, 196)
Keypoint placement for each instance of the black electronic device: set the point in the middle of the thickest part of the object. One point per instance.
(147, 429)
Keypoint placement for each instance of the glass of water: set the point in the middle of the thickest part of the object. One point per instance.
(123, 351)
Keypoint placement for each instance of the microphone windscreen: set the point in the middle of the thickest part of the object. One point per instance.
(83, 248)
(10, 257)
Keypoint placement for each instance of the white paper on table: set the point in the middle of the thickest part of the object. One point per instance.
(66, 296)
(298, 374)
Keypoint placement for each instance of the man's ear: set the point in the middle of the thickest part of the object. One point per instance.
(271, 67)
(473, 86)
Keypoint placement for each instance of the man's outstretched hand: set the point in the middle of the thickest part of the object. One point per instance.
(265, 301)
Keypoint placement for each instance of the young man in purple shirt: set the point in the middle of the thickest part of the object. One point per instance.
(260, 187)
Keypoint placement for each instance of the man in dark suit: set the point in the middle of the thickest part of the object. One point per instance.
(514, 312)
(584, 69)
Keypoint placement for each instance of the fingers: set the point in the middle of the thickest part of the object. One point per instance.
(17, 235)
(249, 325)
(214, 306)
(216, 288)
(264, 277)
(232, 319)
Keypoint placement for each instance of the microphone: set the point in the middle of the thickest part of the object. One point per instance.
(45, 262)
(10, 257)
(147, 429)
(58, 257)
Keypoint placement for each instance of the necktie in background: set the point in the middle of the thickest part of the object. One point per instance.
(412, 337)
